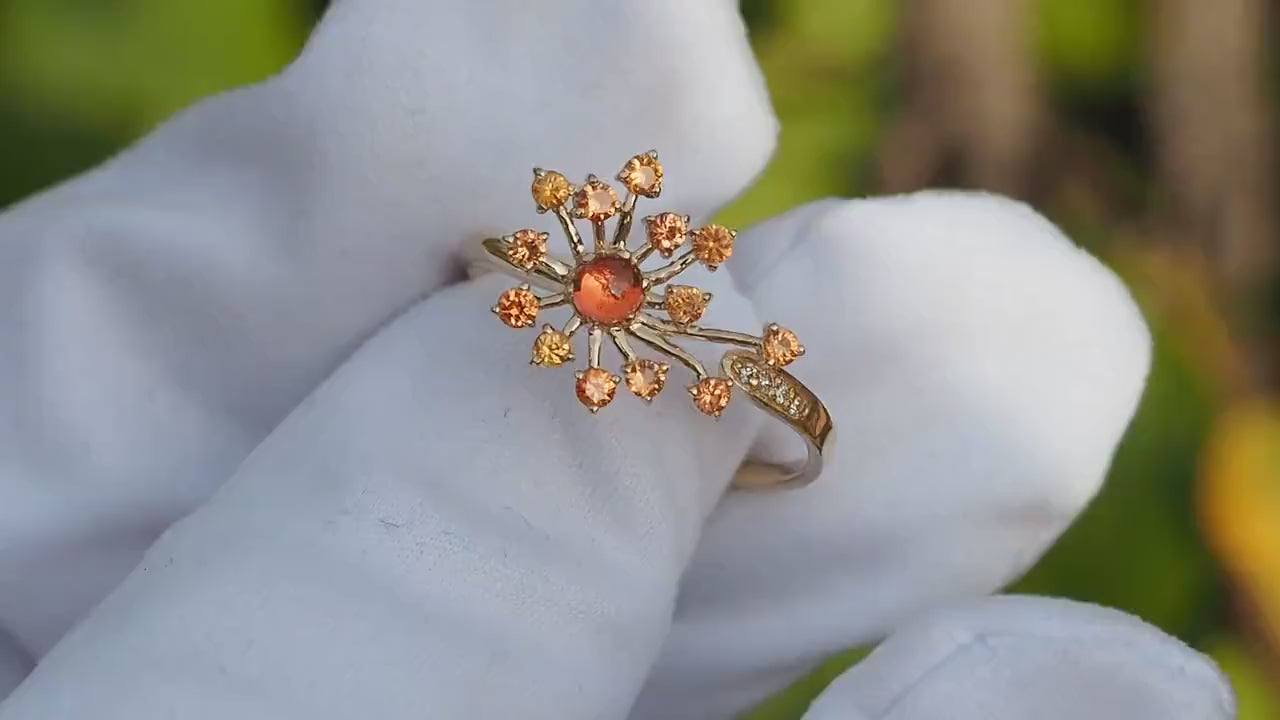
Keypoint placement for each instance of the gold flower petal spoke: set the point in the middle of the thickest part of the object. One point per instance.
(601, 238)
(642, 254)
(548, 269)
(576, 246)
(715, 335)
(553, 300)
(727, 337)
(626, 216)
(595, 343)
(642, 176)
(562, 269)
(671, 269)
(659, 342)
(620, 341)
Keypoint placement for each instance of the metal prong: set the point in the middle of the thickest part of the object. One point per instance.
(728, 337)
(553, 300)
(595, 341)
(670, 270)
(657, 341)
(571, 232)
(620, 341)
(626, 215)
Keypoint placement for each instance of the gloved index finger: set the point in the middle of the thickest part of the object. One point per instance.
(440, 531)
(161, 314)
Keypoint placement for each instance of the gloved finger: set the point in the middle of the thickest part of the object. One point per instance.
(441, 530)
(980, 369)
(159, 315)
(1011, 658)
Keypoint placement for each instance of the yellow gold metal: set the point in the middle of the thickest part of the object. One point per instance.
(576, 245)
(619, 336)
(595, 343)
(659, 342)
(553, 300)
(625, 217)
(670, 270)
(782, 396)
(642, 254)
(611, 295)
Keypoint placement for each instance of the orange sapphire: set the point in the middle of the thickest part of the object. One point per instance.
(607, 290)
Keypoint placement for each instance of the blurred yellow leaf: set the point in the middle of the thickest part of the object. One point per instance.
(1240, 504)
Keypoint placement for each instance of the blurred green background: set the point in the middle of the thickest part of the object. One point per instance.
(1146, 129)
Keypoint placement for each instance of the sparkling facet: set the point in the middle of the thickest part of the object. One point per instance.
(517, 307)
(713, 244)
(551, 189)
(667, 232)
(646, 378)
(526, 248)
(771, 385)
(643, 175)
(551, 348)
(711, 395)
(595, 201)
(596, 387)
(684, 303)
(607, 290)
(780, 346)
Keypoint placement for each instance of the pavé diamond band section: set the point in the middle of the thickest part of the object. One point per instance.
(780, 394)
(611, 296)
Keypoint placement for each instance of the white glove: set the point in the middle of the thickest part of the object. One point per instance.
(439, 530)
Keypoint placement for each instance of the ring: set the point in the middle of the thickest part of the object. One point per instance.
(611, 295)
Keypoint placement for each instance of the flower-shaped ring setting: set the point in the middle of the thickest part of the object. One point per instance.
(613, 297)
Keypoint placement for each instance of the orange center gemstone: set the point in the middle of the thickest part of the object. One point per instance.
(607, 290)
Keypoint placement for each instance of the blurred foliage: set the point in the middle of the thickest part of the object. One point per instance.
(1240, 503)
(1091, 46)
(1255, 691)
(80, 78)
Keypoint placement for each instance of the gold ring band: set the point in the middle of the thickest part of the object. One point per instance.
(613, 297)
(781, 395)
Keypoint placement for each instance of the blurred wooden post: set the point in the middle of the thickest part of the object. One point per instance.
(971, 111)
(1214, 147)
